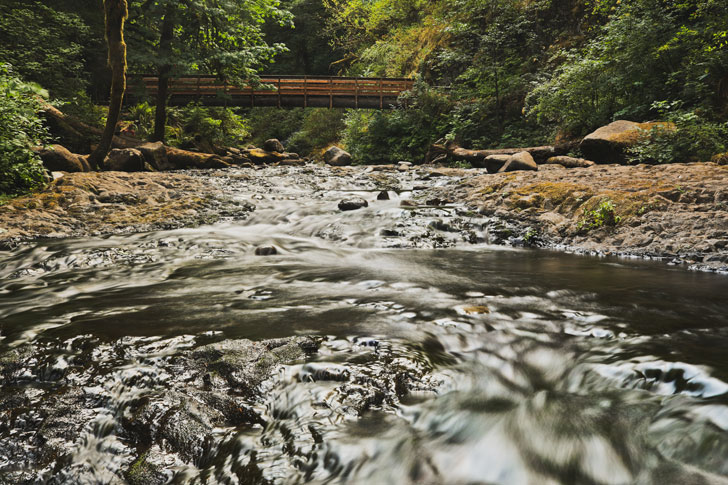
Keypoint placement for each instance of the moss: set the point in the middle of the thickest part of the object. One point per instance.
(142, 472)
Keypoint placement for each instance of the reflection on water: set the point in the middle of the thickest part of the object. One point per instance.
(129, 359)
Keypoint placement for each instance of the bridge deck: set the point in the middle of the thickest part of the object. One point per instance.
(285, 91)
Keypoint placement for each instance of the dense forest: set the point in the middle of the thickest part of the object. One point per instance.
(489, 73)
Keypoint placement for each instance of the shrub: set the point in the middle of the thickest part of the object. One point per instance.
(45, 45)
(21, 129)
(603, 215)
(142, 117)
(404, 133)
(693, 139)
(320, 128)
(268, 123)
(200, 125)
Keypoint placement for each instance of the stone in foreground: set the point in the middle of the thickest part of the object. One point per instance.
(493, 163)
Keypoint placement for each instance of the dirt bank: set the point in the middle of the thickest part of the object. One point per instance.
(677, 212)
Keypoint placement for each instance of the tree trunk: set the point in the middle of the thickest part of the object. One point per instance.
(165, 53)
(115, 12)
(76, 135)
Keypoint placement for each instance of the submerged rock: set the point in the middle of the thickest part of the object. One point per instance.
(353, 204)
(266, 251)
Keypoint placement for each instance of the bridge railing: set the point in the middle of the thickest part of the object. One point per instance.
(283, 87)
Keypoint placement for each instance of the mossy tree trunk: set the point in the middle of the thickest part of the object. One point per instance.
(116, 12)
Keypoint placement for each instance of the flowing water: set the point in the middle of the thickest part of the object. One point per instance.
(385, 345)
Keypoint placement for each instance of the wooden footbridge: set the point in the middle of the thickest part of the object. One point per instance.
(284, 91)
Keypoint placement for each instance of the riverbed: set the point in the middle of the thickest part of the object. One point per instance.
(287, 341)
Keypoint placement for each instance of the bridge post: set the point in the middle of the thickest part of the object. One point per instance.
(381, 94)
(331, 93)
(305, 93)
(356, 93)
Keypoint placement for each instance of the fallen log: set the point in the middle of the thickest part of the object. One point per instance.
(78, 136)
(180, 159)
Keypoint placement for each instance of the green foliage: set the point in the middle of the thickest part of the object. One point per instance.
(402, 134)
(206, 126)
(141, 117)
(531, 237)
(223, 37)
(692, 140)
(268, 123)
(461, 164)
(44, 45)
(646, 50)
(191, 126)
(21, 129)
(301, 130)
(320, 128)
(81, 106)
(603, 215)
(308, 46)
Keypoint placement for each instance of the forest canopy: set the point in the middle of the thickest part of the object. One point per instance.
(489, 72)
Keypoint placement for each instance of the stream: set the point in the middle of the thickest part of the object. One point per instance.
(390, 344)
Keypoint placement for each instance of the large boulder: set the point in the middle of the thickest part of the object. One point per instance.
(155, 154)
(57, 158)
(519, 161)
(273, 145)
(124, 160)
(337, 157)
(609, 143)
(493, 163)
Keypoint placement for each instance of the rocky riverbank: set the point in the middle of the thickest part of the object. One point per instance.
(97, 204)
(676, 213)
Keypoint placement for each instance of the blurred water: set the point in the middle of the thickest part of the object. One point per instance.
(533, 367)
